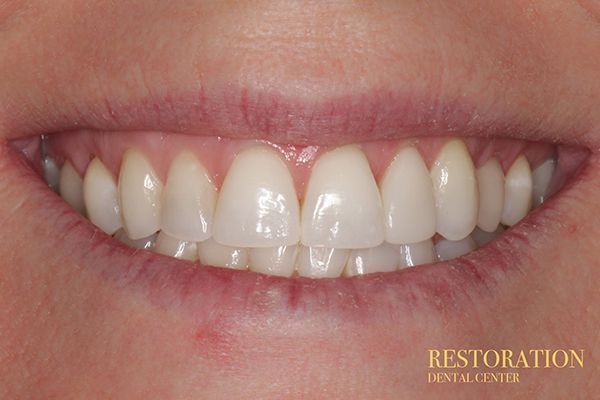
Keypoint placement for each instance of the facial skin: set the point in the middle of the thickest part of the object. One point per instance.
(67, 332)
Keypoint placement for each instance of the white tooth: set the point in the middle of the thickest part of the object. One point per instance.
(490, 179)
(321, 262)
(188, 201)
(278, 261)
(71, 187)
(139, 194)
(482, 237)
(542, 175)
(51, 172)
(417, 254)
(449, 249)
(214, 254)
(146, 243)
(258, 205)
(455, 189)
(342, 207)
(100, 197)
(407, 196)
(170, 246)
(383, 258)
(517, 192)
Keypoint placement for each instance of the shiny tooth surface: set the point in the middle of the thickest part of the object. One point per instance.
(174, 247)
(542, 176)
(449, 249)
(415, 254)
(71, 187)
(342, 207)
(146, 243)
(100, 197)
(188, 200)
(517, 191)
(279, 261)
(383, 258)
(490, 180)
(482, 237)
(455, 189)
(51, 172)
(214, 254)
(408, 201)
(257, 205)
(140, 192)
(321, 262)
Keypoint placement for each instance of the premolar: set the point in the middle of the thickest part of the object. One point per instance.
(542, 176)
(71, 187)
(100, 197)
(490, 179)
(517, 192)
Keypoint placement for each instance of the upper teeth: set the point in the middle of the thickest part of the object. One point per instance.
(345, 220)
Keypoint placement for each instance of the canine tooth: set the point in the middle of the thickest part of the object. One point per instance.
(517, 192)
(188, 201)
(51, 172)
(482, 237)
(407, 196)
(278, 261)
(383, 258)
(170, 246)
(321, 262)
(342, 206)
(541, 176)
(139, 194)
(71, 187)
(490, 179)
(455, 189)
(146, 243)
(257, 205)
(100, 197)
(217, 255)
(449, 249)
(417, 253)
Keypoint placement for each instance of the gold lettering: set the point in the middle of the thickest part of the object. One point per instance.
(434, 356)
(449, 358)
(486, 360)
(522, 360)
(507, 356)
(555, 361)
(463, 361)
(577, 357)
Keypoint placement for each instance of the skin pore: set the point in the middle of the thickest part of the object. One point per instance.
(519, 69)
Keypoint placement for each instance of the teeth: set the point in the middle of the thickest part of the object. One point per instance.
(321, 262)
(342, 207)
(51, 172)
(100, 197)
(71, 187)
(407, 196)
(217, 255)
(258, 205)
(146, 243)
(490, 179)
(415, 254)
(170, 246)
(139, 194)
(517, 192)
(482, 237)
(188, 200)
(279, 261)
(449, 249)
(542, 175)
(455, 189)
(383, 258)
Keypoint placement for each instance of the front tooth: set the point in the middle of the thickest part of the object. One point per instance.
(482, 237)
(449, 249)
(455, 189)
(407, 196)
(342, 207)
(217, 255)
(321, 262)
(188, 200)
(517, 192)
(415, 254)
(542, 175)
(139, 194)
(278, 261)
(490, 179)
(51, 172)
(170, 246)
(100, 197)
(258, 205)
(146, 243)
(71, 187)
(383, 258)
